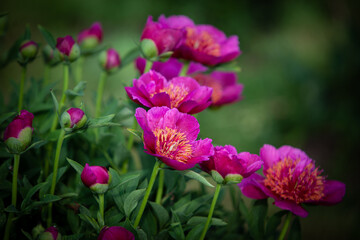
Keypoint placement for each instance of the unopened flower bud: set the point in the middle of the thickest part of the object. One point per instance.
(149, 49)
(90, 38)
(69, 50)
(51, 56)
(110, 60)
(37, 230)
(114, 233)
(17, 135)
(28, 49)
(73, 118)
(96, 178)
(50, 233)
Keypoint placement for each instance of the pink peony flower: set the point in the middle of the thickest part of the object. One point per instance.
(18, 133)
(233, 167)
(92, 37)
(224, 85)
(183, 93)
(171, 136)
(96, 178)
(203, 43)
(115, 233)
(110, 60)
(291, 179)
(73, 118)
(170, 68)
(68, 49)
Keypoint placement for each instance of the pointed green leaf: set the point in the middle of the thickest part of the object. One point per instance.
(36, 145)
(257, 219)
(30, 193)
(295, 230)
(130, 56)
(48, 36)
(274, 222)
(132, 201)
(27, 235)
(196, 176)
(195, 232)
(56, 104)
(161, 213)
(78, 168)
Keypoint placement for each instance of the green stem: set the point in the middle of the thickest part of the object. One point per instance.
(216, 195)
(148, 66)
(79, 69)
(101, 210)
(161, 186)
(100, 92)
(285, 227)
(49, 149)
(147, 193)
(22, 83)
(56, 166)
(46, 75)
(184, 68)
(13, 195)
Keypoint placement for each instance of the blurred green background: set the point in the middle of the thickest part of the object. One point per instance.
(300, 67)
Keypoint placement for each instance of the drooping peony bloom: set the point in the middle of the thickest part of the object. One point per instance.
(170, 68)
(96, 178)
(73, 118)
(69, 50)
(28, 49)
(109, 60)
(291, 179)
(171, 136)
(18, 133)
(163, 38)
(50, 233)
(232, 166)
(115, 233)
(183, 93)
(90, 38)
(203, 43)
(224, 85)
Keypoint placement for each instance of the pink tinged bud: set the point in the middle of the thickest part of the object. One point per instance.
(51, 56)
(17, 135)
(69, 50)
(96, 178)
(28, 49)
(90, 38)
(50, 233)
(110, 60)
(115, 233)
(73, 118)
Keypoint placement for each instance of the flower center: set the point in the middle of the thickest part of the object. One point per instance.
(172, 144)
(290, 183)
(208, 81)
(177, 93)
(202, 42)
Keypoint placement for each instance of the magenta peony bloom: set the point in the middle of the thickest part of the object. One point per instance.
(183, 93)
(203, 43)
(73, 118)
(92, 37)
(18, 133)
(96, 178)
(171, 136)
(233, 167)
(28, 49)
(163, 36)
(224, 85)
(110, 60)
(115, 233)
(50, 233)
(291, 179)
(68, 49)
(170, 68)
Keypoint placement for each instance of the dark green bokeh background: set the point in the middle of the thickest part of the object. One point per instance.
(300, 67)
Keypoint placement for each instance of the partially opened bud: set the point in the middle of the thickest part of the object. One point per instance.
(69, 50)
(50, 233)
(73, 118)
(110, 60)
(115, 233)
(17, 135)
(28, 49)
(96, 178)
(90, 38)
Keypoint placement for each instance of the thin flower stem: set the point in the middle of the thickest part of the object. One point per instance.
(161, 186)
(100, 92)
(148, 66)
(129, 146)
(285, 227)
(46, 75)
(13, 195)
(101, 210)
(147, 193)
(185, 68)
(216, 195)
(56, 166)
(79, 69)
(22, 83)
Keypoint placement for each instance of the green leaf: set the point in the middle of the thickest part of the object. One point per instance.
(30, 193)
(136, 133)
(56, 104)
(132, 201)
(196, 176)
(295, 230)
(257, 219)
(104, 121)
(11, 209)
(118, 180)
(5, 116)
(202, 220)
(46, 187)
(161, 213)
(35, 144)
(48, 198)
(176, 230)
(274, 222)
(91, 221)
(27, 235)
(78, 90)
(195, 232)
(48, 36)
(113, 216)
(78, 168)
(130, 56)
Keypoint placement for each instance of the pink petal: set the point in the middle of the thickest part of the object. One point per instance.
(252, 187)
